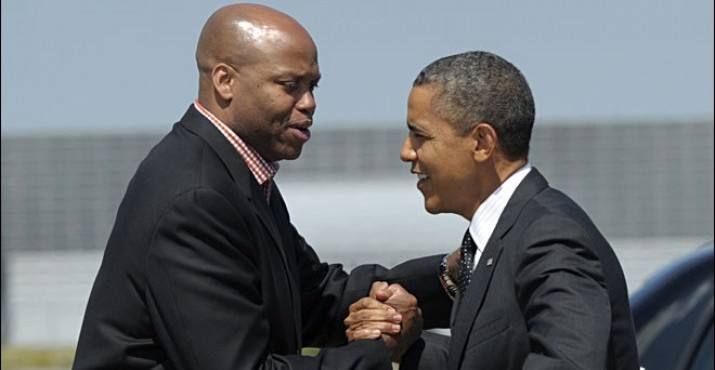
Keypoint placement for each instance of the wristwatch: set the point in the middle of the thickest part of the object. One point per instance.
(449, 286)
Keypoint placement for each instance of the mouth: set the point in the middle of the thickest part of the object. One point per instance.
(421, 177)
(301, 130)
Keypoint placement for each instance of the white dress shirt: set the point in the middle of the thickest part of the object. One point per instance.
(487, 215)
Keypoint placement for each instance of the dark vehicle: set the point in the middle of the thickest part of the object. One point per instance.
(673, 314)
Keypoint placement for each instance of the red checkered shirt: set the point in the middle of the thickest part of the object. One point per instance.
(261, 170)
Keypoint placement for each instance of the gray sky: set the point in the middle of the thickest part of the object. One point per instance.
(101, 65)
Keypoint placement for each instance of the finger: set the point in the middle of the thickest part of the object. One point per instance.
(396, 288)
(361, 334)
(379, 291)
(401, 299)
(369, 303)
(382, 295)
(379, 285)
(372, 315)
(382, 327)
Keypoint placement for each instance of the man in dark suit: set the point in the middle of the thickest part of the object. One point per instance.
(203, 268)
(536, 285)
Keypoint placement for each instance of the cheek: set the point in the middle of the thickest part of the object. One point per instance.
(434, 157)
(264, 100)
(278, 99)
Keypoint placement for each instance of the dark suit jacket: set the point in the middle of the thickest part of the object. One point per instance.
(548, 293)
(200, 272)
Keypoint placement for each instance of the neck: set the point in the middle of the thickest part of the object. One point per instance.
(495, 175)
(507, 168)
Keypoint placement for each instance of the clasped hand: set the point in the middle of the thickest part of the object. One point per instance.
(390, 312)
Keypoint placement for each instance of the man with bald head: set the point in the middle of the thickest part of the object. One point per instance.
(203, 269)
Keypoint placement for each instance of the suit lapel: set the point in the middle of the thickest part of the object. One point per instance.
(265, 214)
(270, 221)
(246, 183)
(272, 218)
(467, 307)
(198, 124)
(281, 215)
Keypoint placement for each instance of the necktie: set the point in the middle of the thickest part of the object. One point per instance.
(464, 274)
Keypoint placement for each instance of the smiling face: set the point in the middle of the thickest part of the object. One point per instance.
(440, 156)
(274, 104)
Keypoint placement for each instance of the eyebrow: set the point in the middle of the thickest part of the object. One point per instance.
(416, 129)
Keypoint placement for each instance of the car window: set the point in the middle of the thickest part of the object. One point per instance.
(704, 357)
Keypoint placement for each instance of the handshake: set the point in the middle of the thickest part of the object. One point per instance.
(389, 312)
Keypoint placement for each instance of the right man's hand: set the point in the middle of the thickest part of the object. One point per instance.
(391, 312)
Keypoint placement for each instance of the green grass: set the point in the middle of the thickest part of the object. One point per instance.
(19, 357)
(310, 351)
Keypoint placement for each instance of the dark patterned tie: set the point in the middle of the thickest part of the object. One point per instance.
(466, 261)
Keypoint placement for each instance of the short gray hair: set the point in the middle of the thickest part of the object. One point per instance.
(479, 86)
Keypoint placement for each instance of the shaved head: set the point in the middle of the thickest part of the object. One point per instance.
(239, 34)
(257, 71)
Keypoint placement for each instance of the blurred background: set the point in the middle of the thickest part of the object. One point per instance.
(624, 95)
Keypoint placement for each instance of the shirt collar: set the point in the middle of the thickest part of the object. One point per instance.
(487, 215)
(259, 167)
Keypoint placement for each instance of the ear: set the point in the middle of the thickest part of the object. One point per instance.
(485, 141)
(223, 78)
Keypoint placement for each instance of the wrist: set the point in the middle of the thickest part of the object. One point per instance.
(447, 283)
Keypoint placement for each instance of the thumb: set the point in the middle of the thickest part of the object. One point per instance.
(380, 291)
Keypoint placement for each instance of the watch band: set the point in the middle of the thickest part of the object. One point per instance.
(449, 286)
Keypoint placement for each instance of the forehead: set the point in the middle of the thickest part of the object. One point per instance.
(421, 96)
(421, 112)
(274, 71)
(419, 104)
(289, 57)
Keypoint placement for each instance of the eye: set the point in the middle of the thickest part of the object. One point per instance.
(289, 86)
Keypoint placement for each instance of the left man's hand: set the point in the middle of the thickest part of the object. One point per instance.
(390, 311)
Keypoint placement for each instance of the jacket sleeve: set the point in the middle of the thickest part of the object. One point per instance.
(429, 352)
(563, 295)
(202, 290)
(327, 292)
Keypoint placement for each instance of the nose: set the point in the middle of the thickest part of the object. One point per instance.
(407, 152)
(306, 103)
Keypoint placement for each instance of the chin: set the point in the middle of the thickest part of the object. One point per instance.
(431, 211)
(288, 154)
(432, 208)
(292, 155)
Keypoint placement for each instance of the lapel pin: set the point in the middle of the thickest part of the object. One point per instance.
(490, 261)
